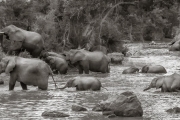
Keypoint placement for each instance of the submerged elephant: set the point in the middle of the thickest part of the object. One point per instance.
(94, 61)
(169, 83)
(84, 83)
(130, 70)
(23, 40)
(57, 63)
(153, 69)
(26, 71)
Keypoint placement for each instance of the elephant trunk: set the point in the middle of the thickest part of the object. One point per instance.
(64, 86)
(147, 88)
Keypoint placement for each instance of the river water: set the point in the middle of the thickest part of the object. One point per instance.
(29, 105)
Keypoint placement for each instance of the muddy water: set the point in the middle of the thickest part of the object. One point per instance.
(30, 104)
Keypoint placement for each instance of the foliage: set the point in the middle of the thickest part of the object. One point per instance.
(66, 24)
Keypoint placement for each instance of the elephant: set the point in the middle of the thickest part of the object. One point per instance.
(26, 71)
(94, 61)
(169, 83)
(153, 69)
(130, 70)
(84, 83)
(99, 48)
(23, 40)
(57, 63)
(53, 54)
(175, 45)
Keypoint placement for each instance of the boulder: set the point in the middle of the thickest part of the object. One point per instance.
(125, 104)
(116, 58)
(54, 114)
(78, 108)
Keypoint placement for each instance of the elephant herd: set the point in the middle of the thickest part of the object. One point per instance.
(35, 71)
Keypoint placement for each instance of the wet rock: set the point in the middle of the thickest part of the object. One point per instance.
(54, 114)
(130, 70)
(125, 104)
(116, 58)
(173, 110)
(1, 82)
(78, 108)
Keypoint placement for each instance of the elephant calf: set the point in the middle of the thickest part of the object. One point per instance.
(130, 70)
(26, 71)
(153, 69)
(84, 83)
(169, 83)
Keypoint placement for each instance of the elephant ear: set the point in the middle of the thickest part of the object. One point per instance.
(11, 63)
(78, 56)
(145, 69)
(71, 83)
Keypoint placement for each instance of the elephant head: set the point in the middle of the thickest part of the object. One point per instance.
(7, 64)
(155, 83)
(70, 83)
(75, 56)
(145, 69)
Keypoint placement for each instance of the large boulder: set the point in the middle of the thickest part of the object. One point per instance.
(116, 58)
(78, 108)
(125, 104)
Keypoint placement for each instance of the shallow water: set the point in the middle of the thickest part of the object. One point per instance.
(30, 104)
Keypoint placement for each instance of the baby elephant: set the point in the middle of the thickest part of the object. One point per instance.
(130, 70)
(169, 83)
(84, 83)
(153, 69)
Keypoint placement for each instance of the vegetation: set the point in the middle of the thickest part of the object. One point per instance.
(66, 24)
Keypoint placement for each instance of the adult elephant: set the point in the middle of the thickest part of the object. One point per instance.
(169, 83)
(84, 83)
(94, 61)
(26, 71)
(57, 63)
(153, 69)
(23, 40)
(99, 48)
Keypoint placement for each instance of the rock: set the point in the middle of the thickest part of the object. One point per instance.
(116, 58)
(125, 105)
(78, 108)
(130, 70)
(1, 82)
(54, 114)
(173, 110)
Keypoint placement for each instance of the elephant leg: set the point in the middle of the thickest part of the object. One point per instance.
(85, 66)
(24, 86)
(164, 88)
(80, 68)
(12, 81)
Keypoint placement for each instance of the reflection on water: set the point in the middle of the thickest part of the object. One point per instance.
(30, 104)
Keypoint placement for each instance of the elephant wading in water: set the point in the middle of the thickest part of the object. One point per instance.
(130, 70)
(26, 71)
(166, 83)
(94, 61)
(57, 63)
(23, 40)
(153, 69)
(84, 83)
